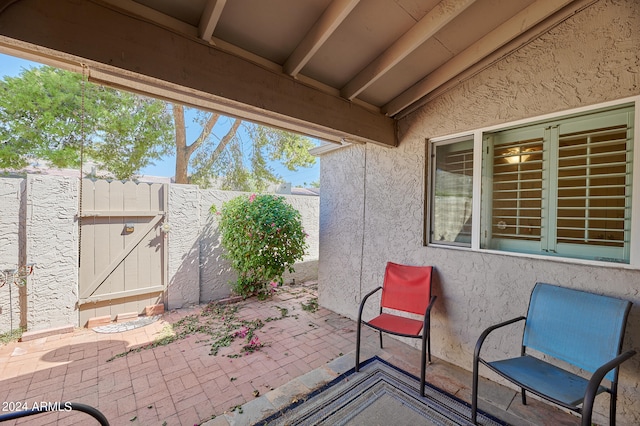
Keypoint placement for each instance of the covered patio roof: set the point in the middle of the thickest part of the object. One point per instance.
(340, 70)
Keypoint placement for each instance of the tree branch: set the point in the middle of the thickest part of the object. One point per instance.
(204, 135)
(223, 143)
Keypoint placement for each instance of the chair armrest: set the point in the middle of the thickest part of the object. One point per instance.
(364, 299)
(483, 336)
(427, 313)
(431, 302)
(594, 384)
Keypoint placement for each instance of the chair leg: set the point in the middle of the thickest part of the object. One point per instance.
(524, 396)
(423, 363)
(429, 346)
(474, 393)
(612, 405)
(358, 347)
(380, 339)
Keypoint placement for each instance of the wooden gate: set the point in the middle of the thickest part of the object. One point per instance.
(123, 264)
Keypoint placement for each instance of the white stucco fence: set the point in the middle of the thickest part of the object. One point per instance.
(39, 224)
(197, 269)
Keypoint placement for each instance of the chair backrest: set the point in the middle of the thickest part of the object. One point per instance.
(581, 328)
(406, 288)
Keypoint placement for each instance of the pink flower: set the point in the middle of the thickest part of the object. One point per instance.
(242, 332)
(273, 224)
(252, 197)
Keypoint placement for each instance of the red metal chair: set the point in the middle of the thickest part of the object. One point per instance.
(405, 289)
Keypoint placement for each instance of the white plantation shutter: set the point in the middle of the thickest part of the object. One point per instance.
(561, 188)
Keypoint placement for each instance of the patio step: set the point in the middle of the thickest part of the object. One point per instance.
(38, 334)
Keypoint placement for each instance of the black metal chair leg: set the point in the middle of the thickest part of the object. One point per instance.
(358, 347)
(423, 364)
(612, 405)
(380, 339)
(474, 393)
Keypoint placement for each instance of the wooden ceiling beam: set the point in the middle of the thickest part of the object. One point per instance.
(110, 40)
(443, 13)
(503, 34)
(324, 27)
(209, 18)
(152, 15)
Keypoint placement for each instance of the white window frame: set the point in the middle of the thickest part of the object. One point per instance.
(477, 134)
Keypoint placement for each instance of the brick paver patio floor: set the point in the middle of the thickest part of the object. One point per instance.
(181, 383)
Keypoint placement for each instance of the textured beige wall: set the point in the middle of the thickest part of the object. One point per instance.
(11, 198)
(52, 244)
(183, 246)
(377, 192)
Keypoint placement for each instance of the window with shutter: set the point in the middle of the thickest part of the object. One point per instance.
(557, 187)
(561, 188)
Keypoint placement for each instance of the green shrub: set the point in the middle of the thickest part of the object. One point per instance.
(263, 237)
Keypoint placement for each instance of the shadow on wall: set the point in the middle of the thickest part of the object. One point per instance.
(205, 275)
(216, 273)
(199, 273)
(304, 271)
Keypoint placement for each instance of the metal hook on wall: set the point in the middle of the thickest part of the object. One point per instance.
(19, 277)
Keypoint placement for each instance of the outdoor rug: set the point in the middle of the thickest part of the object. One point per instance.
(380, 394)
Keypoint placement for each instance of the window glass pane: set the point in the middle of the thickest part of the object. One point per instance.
(517, 189)
(452, 188)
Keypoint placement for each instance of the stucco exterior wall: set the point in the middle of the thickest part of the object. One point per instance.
(372, 209)
(309, 208)
(216, 272)
(52, 244)
(11, 202)
(183, 246)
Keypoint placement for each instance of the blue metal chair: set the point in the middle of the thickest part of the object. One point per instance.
(577, 327)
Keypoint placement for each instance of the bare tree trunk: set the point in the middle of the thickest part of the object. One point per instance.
(182, 151)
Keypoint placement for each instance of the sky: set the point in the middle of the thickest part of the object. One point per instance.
(13, 66)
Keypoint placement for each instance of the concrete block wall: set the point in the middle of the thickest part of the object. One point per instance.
(373, 202)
